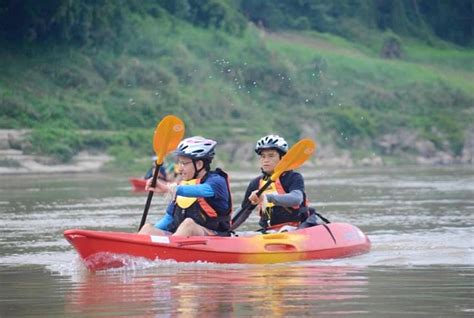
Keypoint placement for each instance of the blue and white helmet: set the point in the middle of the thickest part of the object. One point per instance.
(196, 148)
(272, 142)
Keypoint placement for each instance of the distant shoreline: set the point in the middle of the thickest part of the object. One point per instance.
(83, 162)
(14, 161)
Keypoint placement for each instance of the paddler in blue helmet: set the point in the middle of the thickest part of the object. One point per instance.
(201, 203)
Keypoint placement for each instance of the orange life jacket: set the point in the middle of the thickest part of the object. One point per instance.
(201, 210)
(275, 214)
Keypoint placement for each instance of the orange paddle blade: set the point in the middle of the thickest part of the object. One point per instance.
(167, 135)
(295, 157)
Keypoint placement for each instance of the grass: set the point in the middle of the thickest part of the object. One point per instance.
(234, 87)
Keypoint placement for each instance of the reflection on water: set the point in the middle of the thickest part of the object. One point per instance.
(420, 222)
(203, 290)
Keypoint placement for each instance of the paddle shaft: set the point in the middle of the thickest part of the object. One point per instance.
(150, 195)
(248, 207)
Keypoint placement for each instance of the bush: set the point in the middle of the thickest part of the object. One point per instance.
(351, 123)
(391, 47)
(445, 132)
(60, 143)
(9, 163)
(124, 157)
(219, 14)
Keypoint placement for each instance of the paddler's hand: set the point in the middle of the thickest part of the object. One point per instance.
(254, 199)
(160, 187)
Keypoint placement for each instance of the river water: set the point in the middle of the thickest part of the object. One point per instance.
(420, 221)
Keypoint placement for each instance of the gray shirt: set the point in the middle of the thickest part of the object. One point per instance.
(293, 198)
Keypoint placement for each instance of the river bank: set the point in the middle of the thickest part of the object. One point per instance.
(13, 159)
(401, 147)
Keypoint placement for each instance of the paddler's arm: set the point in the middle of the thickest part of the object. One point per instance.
(203, 190)
(293, 198)
(149, 174)
(253, 185)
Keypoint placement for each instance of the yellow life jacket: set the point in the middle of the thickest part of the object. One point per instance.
(186, 202)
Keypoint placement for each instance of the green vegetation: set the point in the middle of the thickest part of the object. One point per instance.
(101, 74)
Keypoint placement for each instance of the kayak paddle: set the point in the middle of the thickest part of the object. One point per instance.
(168, 133)
(293, 159)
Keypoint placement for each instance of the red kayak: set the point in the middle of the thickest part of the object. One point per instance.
(138, 185)
(102, 250)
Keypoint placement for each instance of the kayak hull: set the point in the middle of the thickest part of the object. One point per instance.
(138, 185)
(102, 250)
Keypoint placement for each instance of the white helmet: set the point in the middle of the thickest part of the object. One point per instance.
(196, 148)
(272, 142)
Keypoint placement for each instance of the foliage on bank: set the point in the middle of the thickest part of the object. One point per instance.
(115, 68)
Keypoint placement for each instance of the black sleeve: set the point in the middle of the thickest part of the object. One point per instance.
(253, 185)
(294, 181)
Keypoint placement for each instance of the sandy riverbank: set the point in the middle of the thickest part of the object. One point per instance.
(19, 163)
(14, 161)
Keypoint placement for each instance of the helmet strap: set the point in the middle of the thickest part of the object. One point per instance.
(281, 153)
(196, 171)
(265, 175)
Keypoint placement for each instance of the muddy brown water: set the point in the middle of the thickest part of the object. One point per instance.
(420, 221)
